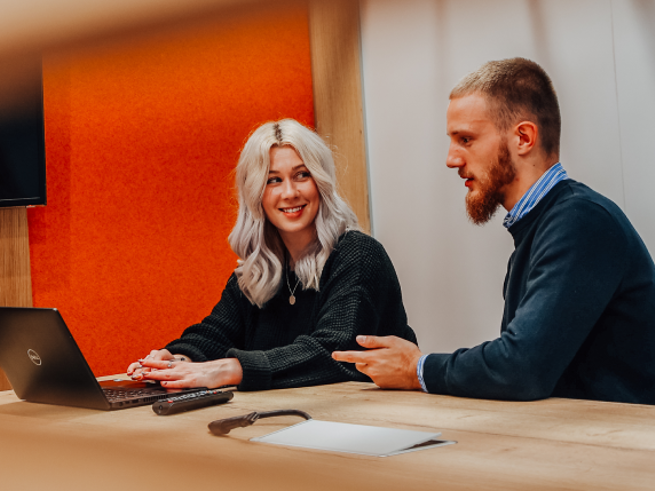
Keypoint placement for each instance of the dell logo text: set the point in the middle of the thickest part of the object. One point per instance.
(34, 356)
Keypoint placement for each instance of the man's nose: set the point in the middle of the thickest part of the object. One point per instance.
(454, 160)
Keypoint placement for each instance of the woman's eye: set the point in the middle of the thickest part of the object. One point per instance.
(303, 175)
(273, 180)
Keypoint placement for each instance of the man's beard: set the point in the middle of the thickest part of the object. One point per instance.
(482, 205)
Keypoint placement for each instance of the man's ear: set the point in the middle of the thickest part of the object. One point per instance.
(525, 133)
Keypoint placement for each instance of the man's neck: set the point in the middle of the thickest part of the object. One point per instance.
(535, 194)
(527, 173)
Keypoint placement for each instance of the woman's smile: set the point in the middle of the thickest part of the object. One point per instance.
(292, 211)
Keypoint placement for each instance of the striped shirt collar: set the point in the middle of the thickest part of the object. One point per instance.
(536, 192)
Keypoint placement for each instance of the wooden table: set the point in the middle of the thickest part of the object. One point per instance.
(549, 444)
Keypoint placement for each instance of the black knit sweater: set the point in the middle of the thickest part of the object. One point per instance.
(283, 345)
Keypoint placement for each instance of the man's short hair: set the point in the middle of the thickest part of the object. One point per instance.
(517, 89)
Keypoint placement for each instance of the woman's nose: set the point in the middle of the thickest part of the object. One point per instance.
(289, 189)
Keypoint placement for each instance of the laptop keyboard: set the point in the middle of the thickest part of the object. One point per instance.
(117, 395)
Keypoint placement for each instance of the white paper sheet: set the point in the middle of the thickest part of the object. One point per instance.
(344, 437)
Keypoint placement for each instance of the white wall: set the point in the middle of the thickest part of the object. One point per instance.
(634, 47)
(601, 57)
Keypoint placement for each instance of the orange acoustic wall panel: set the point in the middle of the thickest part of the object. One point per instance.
(142, 136)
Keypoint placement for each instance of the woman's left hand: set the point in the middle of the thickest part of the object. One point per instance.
(211, 374)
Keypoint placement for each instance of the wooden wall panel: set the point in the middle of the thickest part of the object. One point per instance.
(336, 77)
(15, 280)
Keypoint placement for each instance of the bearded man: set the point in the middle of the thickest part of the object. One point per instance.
(579, 316)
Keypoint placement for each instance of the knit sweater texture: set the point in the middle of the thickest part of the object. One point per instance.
(579, 317)
(283, 345)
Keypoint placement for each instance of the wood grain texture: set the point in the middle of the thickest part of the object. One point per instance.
(552, 444)
(15, 279)
(336, 73)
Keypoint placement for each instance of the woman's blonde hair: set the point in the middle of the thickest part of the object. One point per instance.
(255, 240)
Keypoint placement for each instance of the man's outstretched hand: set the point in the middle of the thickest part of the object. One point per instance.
(390, 361)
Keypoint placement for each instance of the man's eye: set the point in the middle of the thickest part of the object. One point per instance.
(465, 139)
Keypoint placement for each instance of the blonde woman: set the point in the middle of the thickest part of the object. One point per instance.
(307, 281)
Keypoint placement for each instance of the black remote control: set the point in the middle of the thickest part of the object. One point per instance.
(193, 400)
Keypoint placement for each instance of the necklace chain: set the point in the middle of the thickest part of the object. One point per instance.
(292, 298)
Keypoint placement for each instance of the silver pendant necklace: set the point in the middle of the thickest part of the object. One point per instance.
(292, 298)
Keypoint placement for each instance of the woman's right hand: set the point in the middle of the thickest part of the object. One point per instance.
(136, 369)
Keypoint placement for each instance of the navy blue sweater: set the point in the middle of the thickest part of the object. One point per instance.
(579, 318)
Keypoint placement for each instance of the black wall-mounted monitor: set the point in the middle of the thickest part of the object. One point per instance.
(22, 145)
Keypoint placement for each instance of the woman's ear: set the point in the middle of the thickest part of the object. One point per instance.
(526, 133)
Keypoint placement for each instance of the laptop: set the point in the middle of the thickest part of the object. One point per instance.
(44, 364)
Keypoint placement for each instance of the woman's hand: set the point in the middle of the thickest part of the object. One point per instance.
(137, 369)
(175, 374)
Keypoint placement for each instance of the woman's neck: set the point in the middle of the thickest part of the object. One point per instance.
(297, 244)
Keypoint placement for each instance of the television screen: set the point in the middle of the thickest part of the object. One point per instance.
(22, 146)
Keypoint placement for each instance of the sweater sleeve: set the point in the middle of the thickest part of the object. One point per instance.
(218, 332)
(574, 268)
(359, 294)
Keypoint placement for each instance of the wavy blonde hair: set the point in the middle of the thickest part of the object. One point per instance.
(255, 240)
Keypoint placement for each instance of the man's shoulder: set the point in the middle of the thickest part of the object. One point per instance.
(567, 202)
(575, 198)
(578, 213)
(572, 190)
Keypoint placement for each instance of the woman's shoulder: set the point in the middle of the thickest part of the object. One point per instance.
(360, 260)
(355, 247)
(357, 238)
(357, 241)
(232, 288)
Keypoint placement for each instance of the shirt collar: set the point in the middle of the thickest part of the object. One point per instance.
(535, 194)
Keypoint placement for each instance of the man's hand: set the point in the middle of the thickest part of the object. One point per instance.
(390, 361)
